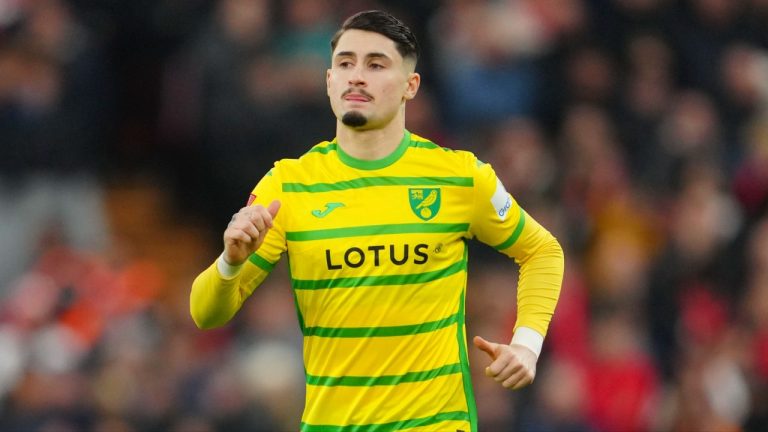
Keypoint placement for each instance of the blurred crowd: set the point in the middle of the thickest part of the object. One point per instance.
(635, 130)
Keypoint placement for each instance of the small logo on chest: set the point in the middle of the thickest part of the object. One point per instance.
(329, 207)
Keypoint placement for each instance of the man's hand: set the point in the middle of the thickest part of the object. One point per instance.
(246, 231)
(514, 365)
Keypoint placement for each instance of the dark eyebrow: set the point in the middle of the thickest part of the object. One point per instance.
(377, 55)
(369, 55)
(345, 54)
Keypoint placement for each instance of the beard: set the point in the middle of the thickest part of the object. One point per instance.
(354, 119)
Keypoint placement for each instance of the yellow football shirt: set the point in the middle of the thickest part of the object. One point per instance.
(377, 252)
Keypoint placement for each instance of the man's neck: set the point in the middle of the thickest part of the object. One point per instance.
(372, 144)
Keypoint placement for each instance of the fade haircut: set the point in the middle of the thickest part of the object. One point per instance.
(386, 25)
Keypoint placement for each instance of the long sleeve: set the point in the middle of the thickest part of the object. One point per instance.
(541, 274)
(214, 299)
(500, 222)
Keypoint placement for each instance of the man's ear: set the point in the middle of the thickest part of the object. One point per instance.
(328, 82)
(412, 85)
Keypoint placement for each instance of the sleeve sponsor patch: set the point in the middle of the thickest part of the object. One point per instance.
(501, 201)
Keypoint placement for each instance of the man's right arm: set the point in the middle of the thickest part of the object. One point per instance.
(220, 290)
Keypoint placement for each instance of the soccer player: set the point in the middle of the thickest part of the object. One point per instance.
(375, 224)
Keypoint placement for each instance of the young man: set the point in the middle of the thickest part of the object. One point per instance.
(376, 224)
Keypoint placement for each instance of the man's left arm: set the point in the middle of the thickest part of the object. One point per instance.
(541, 273)
(500, 222)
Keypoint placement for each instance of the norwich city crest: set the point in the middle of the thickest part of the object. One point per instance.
(425, 202)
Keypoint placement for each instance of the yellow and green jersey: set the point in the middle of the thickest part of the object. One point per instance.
(377, 252)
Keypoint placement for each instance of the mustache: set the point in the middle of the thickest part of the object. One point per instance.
(357, 91)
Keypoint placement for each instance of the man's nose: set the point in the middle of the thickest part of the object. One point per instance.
(357, 76)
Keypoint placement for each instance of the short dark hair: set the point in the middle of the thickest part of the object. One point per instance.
(385, 24)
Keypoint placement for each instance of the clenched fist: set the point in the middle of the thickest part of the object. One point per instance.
(247, 230)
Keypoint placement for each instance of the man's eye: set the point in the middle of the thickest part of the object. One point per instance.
(376, 66)
(345, 64)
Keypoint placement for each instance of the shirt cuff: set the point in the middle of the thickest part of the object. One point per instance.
(529, 338)
(227, 271)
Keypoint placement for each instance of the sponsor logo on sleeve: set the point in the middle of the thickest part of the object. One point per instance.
(501, 201)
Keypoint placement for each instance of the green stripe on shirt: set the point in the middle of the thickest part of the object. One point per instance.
(391, 426)
(515, 234)
(261, 262)
(323, 149)
(389, 331)
(369, 230)
(384, 380)
(364, 182)
(384, 280)
(469, 394)
(427, 145)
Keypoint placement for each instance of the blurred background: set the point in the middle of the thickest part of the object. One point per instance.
(635, 130)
